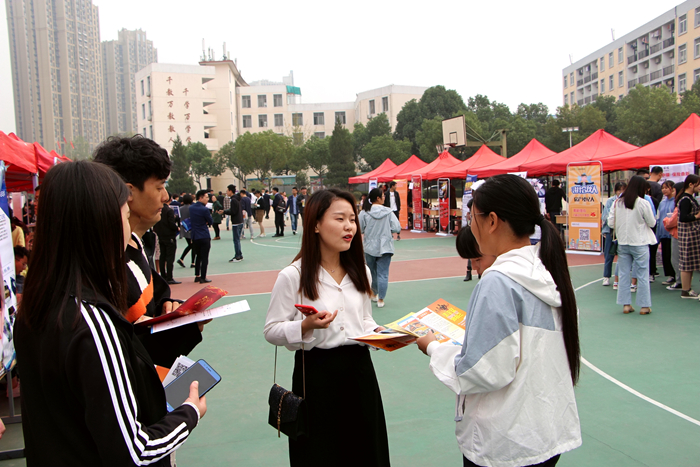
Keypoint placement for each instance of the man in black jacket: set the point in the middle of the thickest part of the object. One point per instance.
(167, 230)
(266, 195)
(279, 206)
(392, 200)
(236, 224)
(301, 203)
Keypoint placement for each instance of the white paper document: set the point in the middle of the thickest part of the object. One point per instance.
(179, 367)
(230, 309)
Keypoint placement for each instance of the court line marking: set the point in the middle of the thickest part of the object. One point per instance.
(629, 389)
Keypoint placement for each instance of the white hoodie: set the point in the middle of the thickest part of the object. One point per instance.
(515, 398)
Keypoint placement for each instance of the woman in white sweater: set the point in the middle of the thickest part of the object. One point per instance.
(514, 375)
(632, 219)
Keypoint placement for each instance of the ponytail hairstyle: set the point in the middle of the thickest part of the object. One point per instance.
(372, 198)
(635, 189)
(514, 201)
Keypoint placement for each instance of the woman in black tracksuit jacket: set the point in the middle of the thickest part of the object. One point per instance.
(90, 393)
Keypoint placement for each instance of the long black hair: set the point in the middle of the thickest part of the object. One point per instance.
(353, 260)
(79, 242)
(467, 246)
(372, 198)
(514, 201)
(635, 189)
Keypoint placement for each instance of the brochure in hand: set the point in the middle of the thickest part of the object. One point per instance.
(445, 320)
(198, 302)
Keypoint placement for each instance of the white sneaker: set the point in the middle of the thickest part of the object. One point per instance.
(380, 303)
(633, 288)
(614, 285)
(606, 281)
(261, 235)
(375, 298)
(651, 278)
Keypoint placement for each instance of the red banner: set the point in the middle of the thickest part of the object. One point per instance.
(444, 197)
(416, 193)
(402, 190)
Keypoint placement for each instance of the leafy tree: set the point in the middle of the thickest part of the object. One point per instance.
(340, 147)
(440, 102)
(383, 147)
(264, 151)
(607, 105)
(317, 155)
(533, 112)
(378, 126)
(202, 164)
(301, 180)
(360, 138)
(228, 158)
(521, 131)
(180, 179)
(647, 114)
(80, 150)
(428, 137)
(408, 122)
(690, 101)
(588, 119)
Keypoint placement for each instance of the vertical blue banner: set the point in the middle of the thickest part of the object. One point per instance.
(3, 190)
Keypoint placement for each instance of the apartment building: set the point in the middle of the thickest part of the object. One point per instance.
(663, 52)
(56, 62)
(121, 59)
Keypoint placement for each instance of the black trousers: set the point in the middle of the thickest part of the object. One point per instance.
(279, 223)
(187, 250)
(652, 259)
(167, 258)
(548, 463)
(216, 230)
(666, 257)
(201, 249)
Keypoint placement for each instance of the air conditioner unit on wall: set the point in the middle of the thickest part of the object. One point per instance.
(657, 60)
(646, 64)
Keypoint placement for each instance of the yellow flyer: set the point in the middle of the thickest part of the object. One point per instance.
(584, 188)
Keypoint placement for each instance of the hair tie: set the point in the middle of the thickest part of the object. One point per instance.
(540, 220)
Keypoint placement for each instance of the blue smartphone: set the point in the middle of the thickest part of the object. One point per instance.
(179, 390)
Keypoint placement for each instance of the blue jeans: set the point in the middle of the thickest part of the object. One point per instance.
(607, 244)
(379, 267)
(294, 217)
(236, 229)
(633, 257)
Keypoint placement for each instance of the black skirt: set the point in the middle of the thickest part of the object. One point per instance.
(345, 415)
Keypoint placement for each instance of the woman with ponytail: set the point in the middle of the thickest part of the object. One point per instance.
(515, 373)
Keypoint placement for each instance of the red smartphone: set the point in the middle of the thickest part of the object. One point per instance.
(306, 310)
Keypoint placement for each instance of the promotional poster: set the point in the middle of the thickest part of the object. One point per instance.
(402, 190)
(416, 192)
(584, 182)
(444, 202)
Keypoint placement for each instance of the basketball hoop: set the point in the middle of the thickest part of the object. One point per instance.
(440, 148)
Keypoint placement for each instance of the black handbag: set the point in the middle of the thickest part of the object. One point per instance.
(287, 410)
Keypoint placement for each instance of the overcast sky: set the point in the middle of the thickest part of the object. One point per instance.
(510, 51)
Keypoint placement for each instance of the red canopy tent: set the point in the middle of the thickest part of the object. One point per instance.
(481, 158)
(596, 147)
(534, 151)
(364, 178)
(21, 161)
(443, 162)
(680, 146)
(413, 163)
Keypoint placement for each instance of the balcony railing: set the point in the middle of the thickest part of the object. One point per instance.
(656, 48)
(643, 79)
(655, 75)
(594, 97)
(580, 102)
(594, 75)
(632, 83)
(587, 100)
(643, 54)
(579, 82)
(668, 70)
(669, 42)
(587, 79)
(631, 59)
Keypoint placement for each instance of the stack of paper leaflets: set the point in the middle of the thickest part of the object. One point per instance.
(445, 320)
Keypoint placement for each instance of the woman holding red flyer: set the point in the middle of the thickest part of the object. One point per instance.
(345, 416)
(90, 392)
(514, 375)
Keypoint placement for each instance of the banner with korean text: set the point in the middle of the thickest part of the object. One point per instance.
(417, 201)
(583, 189)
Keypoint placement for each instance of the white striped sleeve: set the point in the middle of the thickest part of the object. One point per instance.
(144, 446)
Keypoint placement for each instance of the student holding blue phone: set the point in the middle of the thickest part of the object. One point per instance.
(90, 392)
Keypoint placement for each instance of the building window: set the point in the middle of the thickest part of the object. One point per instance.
(620, 79)
(697, 17)
(682, 24)
(143, 111)
(610, 60)
(144, 132)
(682, 54)
(602, 63)
(602, 86)
(262, 101)
(319, 118)
(620, 55)
(571, 78)
(262, 121)
(385, 104)
(371, 107)
(148, 86)
(245, 102)
(619, 98)
(572, 98)
(277, 100)
(143, 88)
(681, 83)
(696, 75)
(150, 131)
(298, 139)
(297, 119)
(247, 121)
(340, 116)
(279, 120)
(230, 97)
(320, 134)
(565, 79)
(150, 110)
(566, 99)
(612, 83)
(697, 48)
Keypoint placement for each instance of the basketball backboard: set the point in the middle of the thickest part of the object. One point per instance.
(454, 131)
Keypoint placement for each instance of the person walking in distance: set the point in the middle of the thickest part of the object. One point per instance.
(247, 211)
(167, 230)
(236, 225)
(293, 209)
(393, 201)
(279, 206)
(266, 195)
(201, 239)
(301, 202)
(553, 203)
(260, 206)
(216, 208)
(185, 227)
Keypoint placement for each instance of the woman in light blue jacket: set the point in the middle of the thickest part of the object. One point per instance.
(377, 223)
